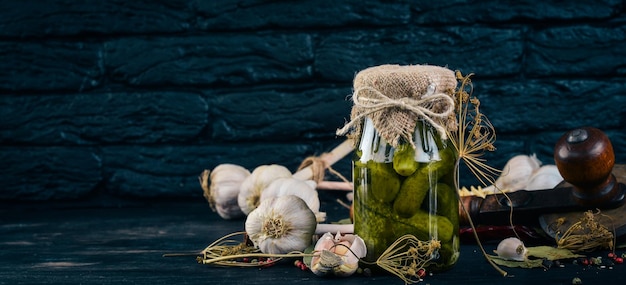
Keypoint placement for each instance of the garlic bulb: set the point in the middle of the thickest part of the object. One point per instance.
(515, 174)
(281, 225)
(305, 189)
(251, 188)
(512, 249)
(546, 177)
(522, 172)
(225, 181)
(338, 255)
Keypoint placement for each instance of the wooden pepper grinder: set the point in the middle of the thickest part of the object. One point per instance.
(585, 159)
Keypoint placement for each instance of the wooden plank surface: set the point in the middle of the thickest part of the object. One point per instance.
(43, 244)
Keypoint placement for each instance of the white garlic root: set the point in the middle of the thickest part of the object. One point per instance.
(223, 190)
(512, 249)
(329, 159)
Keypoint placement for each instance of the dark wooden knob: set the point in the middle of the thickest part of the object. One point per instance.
(585, 159)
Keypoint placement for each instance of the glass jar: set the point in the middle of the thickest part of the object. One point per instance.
(408, 189)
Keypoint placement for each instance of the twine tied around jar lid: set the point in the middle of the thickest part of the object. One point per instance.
(395, 97)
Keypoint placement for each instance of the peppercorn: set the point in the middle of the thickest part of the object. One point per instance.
(421, 273)
(300, 264)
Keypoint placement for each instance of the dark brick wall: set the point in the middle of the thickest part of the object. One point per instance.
(132, 99)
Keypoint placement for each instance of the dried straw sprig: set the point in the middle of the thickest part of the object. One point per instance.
(474, 134)
(228, 252)
(585, 235)
(406, 256)
(473, 137)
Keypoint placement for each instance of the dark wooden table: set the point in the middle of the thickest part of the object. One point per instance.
(93, 244)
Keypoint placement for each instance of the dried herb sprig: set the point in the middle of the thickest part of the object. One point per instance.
(407, 256)
(585, 235)
(473, 137)
(474, 134)
(404, 258)
(228, 252)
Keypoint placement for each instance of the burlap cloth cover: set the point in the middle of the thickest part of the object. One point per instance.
(395, 97)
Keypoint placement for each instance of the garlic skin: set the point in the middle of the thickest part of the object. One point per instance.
(546, 177)
(305, 189)
(281, 225)
(512, 249)
(338, 255)
(251, 188)
(225, 182)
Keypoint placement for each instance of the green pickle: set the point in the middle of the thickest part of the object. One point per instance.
(415, 187)
(412, 192)
(404, 160)
(399, 196)
(384, 181)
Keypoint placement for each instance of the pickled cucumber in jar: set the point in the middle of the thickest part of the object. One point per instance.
(389, 204)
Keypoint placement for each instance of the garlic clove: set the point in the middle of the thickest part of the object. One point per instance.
(546, 177)
(281, 225)
(319, 267)
(338, 255)
(305, 189)
(351, 257)
(357, 246)
(512, 249)
(250, 191)
(223, 191)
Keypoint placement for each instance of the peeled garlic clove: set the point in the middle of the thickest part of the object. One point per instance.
(546, 177)
(512, 249)
(351, 257)
(281, 225)
(338, 255)
(251, 188)
(223, 190)
(305, 189)
(323, 268)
